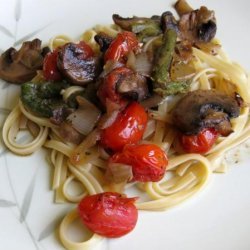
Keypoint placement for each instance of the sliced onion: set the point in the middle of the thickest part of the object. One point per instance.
(109, 66)
(118, 172)
(143, 64)
(131, 60)
(149, 44)
(150, 128)
(108, 119)
(79, 153)
(103, 153)
(181, 71)
(85, 117)
(69, 133)
(140, 63)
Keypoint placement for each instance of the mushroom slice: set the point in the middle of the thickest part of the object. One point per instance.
(104, 40)
(197, 25)
(74, 65)
(134, 86)
(21, 66)
(205, 109)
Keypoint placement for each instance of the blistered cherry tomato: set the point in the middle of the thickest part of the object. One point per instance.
(107, 90)
(200, 143)
(108, 214)
(128, 128)
(121, 46)
(50, 70)
(148, 161)
(86, 50)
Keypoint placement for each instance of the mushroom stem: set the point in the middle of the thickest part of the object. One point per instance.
(182, 7)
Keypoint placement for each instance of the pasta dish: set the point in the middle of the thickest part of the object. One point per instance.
(150, 104)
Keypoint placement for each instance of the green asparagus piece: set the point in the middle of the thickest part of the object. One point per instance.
(42, 98)
(162, 83)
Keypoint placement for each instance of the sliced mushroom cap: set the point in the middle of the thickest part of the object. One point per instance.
(104, 40)
(21, 66)
(205, 109)
(74, 65)
(134, 86)
(198, 25)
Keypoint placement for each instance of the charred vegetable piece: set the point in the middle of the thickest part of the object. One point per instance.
(164, 59)
(127, 23)
(147, 29)
(205, 109)
(104, 40)
(77, 63)
(143, 27)
(21, 66)
(162, 82)
(107, 91)
(196, 25)
(172, 88)
(168, 22)
(121, 85)
(133, 87)
(69, 133)
(43, 99)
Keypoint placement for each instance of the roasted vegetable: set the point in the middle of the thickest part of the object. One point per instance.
(21, 66)
(163, 84)
(43, 99)
(163, 59)
(104, 40)
(142, 26)
(205, 109)
(77, 63)
(195, 25)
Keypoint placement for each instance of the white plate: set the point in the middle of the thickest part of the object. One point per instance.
(218, 218)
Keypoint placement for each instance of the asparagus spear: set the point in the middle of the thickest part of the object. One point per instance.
(162, 82)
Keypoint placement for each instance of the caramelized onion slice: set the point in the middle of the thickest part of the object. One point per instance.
(85, 117)
(118, 172)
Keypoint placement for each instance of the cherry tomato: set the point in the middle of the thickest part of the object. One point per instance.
(107, 89)
(200, 143)
(86, 50)
(148, 161)
(128, 128)
(121, 46)
(108, 214)
(50, 70)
